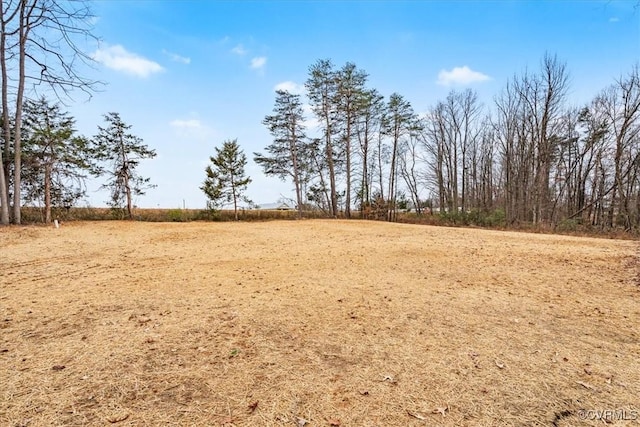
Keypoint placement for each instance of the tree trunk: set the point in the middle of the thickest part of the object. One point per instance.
(129, 202)
(364, 199)
(17, 149)
(347, 209)
(296, 170)
(6, 125)
(235, 199)
(47, 193)
(392, 176)
(332, 176)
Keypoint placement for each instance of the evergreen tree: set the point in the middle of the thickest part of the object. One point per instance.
(399, 120)
(120, 154)
(351, 88)
(226, 181)
(56, 160)
(287, 153)
(322, 91)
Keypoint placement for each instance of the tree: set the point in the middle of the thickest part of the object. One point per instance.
(322, 89)
(620, 104)
(120, 153)
(288, 152)
(371, 107)
(399, 121)
(55, 159)
(226, 180)
(452, 138)
(37, 45)
(350, 89)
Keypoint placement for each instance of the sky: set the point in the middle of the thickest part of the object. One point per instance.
(188, 75)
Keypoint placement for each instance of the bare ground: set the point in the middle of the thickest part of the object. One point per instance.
(316, 323)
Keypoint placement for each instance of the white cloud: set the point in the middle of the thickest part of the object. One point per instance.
(460, 76)
(119, 59)
(258, 62)
(290, 87)
(191, 128)
(239, 50)
(177, 58)
(186, 124)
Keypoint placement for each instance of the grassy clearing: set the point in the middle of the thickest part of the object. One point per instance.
(349, 323)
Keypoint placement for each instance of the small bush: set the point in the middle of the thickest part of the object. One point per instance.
(175, 215)
(566, 225)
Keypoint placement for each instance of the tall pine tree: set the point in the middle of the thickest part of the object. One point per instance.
(287, 154)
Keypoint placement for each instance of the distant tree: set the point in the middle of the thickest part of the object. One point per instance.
(119, 154)
(452, 135)
(226, 180)
(287, 153)
(56, 161)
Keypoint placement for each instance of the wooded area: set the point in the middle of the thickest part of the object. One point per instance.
(528, 157)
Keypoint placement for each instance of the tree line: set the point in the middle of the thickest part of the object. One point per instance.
(42, 158)
(56, 161)
(528, 157)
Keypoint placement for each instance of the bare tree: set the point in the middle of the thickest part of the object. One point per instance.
(621, 105)
(410, 166)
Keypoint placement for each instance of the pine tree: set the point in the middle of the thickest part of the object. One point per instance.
(121, 152)
(287, 153)
(56, 161)
(226, 181)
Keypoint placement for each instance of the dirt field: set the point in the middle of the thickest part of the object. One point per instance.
(316, 323)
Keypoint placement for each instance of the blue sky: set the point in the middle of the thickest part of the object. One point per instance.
(188, 75)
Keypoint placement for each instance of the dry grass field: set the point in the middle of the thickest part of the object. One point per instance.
(314, 323)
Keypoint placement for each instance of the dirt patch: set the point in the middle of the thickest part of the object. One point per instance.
(315, 323)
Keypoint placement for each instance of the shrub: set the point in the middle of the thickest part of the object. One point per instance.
(175, 215)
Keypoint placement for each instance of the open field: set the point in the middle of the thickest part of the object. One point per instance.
(316, 323)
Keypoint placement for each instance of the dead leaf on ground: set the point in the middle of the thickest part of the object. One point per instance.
(118, 418)
(440, 410)
(416, 415)
(58, 367)
(253, 406)
(585, 385)
(389, 378)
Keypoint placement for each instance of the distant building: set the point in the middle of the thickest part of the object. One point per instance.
(280, 206)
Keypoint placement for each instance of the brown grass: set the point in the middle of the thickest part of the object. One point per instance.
(325, 322)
